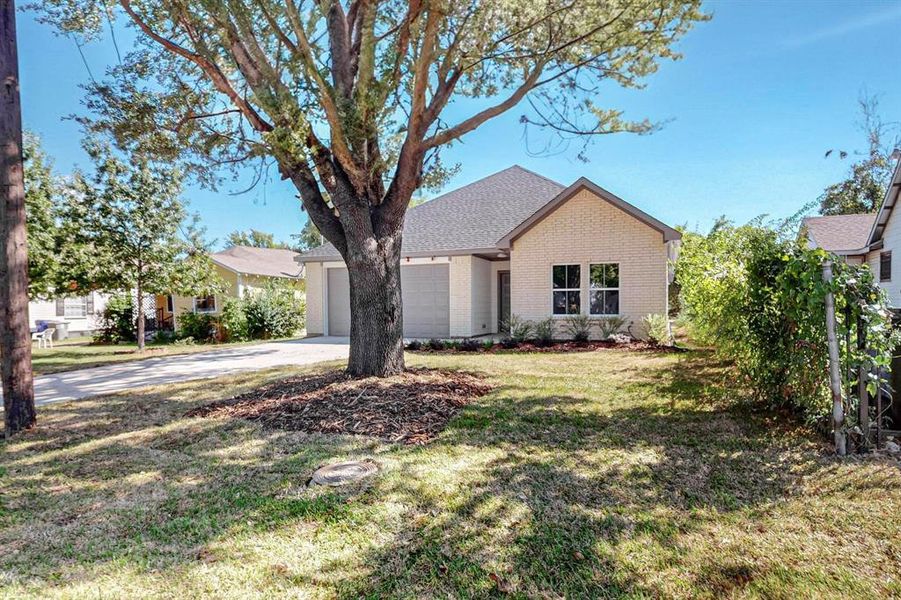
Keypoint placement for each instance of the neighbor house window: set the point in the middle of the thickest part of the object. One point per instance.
(75, 308)
(885, 266)
(204, 304)
(566, 296)
(603, 289)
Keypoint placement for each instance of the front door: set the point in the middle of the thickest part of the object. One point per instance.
(503, 300)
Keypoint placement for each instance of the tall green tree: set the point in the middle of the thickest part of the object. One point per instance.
(309, 237)
(254, 238)
(350, 101)
(864, 188)
(43, 193)
(136, 226)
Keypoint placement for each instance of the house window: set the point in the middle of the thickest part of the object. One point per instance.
(204, 304)
(75, 308)
(170, 305)
(566, 285)
(603, 290)
(885, 266)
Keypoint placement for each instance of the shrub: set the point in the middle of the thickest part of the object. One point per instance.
(233, 321)
(578, 327)
(435, 344)
(452, 344)
(543, 332)
(609, 326)
(469, 345)
(518, 330)
(488, 345)
(414, 345)
(117, 323)
(657, 329)
(201, 327)
(273, 312)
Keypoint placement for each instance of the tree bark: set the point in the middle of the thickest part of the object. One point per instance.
(376, 308)
(15, 336)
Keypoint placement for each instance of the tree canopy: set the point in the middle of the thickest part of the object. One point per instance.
(254, 238)
(864, 188)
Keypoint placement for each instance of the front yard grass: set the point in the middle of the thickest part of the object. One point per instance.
(585, 475)
(80, 353)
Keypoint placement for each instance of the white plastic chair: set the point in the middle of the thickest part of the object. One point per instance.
(44, 338)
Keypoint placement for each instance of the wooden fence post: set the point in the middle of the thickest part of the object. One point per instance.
(835, 377)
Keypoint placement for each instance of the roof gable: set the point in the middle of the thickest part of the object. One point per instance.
(585, 184)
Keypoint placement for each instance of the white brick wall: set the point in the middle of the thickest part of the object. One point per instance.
(313, 273)
(460, 296)
(587, 229)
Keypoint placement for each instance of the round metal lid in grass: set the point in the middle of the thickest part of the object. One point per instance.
(345, 472)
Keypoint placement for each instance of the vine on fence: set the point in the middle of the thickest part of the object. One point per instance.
(758, 296)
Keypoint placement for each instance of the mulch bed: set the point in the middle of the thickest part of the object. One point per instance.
(594, 346)
(410, 408)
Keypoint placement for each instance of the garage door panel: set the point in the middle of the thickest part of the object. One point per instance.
(426, 301)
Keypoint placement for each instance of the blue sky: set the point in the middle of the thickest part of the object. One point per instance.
(763, 90)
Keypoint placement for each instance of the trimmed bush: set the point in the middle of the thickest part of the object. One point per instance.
(200, 327)
(657, 329)
(469, 345)
(609, 326)
(543, 332)
(435, 344)
(578, 327)
(414, 345)
(117, 323)
(273, 313)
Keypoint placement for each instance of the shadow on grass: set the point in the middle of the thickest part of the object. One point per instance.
(536, 494)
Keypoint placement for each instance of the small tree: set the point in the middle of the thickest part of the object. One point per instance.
(135, 225)
(864, 188)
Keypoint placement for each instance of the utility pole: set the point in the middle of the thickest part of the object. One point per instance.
(15, 336)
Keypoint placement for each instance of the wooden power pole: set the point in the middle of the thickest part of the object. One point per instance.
(15, 337)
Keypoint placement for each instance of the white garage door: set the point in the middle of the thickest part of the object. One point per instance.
(426, 297)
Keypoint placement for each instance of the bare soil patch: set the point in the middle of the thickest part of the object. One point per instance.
(410, 408)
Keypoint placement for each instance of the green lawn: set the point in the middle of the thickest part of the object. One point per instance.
(80, 353)
(599, 474)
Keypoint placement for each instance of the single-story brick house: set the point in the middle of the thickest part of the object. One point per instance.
(865, 238)
(512, 243)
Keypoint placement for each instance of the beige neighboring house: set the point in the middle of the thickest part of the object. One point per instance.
(80, 315)
(512, 243)
(865, 238)
(244, 269)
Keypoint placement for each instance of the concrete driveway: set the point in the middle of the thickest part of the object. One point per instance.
(83, 383)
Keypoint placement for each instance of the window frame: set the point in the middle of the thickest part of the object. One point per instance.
(566, 289)
(883, 257)
(83, 312)
(617, 289)
(205, 311)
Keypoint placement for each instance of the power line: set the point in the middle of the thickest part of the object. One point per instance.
(83, 59)
(112, 33)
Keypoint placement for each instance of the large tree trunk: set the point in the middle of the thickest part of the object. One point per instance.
(376, 309)
(15, 337)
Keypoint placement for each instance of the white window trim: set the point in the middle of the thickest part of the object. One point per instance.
(205, 311)
(591, 288)
(83, 312)
(578, 289)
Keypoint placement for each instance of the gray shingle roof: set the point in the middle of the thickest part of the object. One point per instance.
(837, 233)
(473, 217)
(268, 262)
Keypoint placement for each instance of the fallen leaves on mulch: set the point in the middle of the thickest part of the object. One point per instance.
(411, 408)
(593, 346)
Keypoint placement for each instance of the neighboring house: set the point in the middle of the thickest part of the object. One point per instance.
(512, 243)
(865, 238)
(81, 314)
(243, 269)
